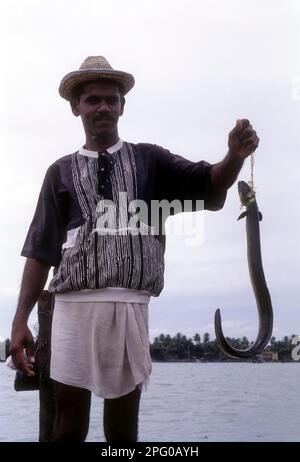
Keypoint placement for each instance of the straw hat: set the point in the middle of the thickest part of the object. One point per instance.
(93, 68)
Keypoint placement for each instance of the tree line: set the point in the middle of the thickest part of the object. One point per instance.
(180, 348)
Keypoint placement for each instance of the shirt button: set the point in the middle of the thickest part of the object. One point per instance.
(102, 169)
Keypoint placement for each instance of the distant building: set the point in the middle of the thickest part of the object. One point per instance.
(2, 351)
(269, 355)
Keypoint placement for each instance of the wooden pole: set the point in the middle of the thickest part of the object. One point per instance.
(46, 394)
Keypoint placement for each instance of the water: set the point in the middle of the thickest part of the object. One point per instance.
(195, 402)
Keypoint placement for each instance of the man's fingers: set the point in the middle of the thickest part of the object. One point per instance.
(30, 353)
(20, 362)
(253, 138)
(17, 356)
(243, 140)
(240, 125)
(251, 143)
(248, 142)
(243, 123)
(247, 133)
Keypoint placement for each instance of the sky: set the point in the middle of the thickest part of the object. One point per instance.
(199, 66)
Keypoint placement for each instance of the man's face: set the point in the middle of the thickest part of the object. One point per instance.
(100, 106)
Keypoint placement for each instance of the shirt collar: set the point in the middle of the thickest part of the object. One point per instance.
(116, 147)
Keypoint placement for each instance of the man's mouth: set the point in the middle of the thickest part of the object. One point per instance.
(102, 120)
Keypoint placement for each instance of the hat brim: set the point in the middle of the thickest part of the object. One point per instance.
(71, 80)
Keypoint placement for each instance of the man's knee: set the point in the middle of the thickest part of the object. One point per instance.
(121, 417)
(72, 410)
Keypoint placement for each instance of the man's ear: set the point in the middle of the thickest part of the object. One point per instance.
(123, 101)
(74, 107)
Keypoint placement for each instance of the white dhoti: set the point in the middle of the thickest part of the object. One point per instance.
(101, 345)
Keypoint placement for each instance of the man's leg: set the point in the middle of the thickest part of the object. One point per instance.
(120, 417)
(72, 413)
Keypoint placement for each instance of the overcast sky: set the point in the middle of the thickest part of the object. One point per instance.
(199, 66)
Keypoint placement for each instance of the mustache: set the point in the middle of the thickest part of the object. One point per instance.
(100, 118)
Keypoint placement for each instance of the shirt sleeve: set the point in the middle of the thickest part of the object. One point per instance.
(47, 230)
(184, 180)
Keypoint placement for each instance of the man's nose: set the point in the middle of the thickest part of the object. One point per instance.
(103, 107)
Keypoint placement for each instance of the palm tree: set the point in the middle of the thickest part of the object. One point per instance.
(197, 339)
(206, 337)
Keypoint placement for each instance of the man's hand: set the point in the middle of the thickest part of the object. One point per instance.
(242, 140)
(21, 348)
(22, 345)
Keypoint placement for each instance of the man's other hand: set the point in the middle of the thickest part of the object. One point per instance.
(22, 348)
(242, 140)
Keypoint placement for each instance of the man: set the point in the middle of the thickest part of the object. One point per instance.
(105, 274)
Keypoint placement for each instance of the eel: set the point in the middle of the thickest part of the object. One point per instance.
(258, 281)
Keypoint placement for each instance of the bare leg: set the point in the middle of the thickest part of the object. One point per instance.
(121, 417)
(72, 413)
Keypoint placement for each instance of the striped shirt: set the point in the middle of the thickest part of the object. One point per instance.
(68, 229)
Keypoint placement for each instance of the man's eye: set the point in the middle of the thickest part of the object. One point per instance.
(92, 100)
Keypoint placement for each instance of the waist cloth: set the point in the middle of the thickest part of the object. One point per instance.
(99, 344)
